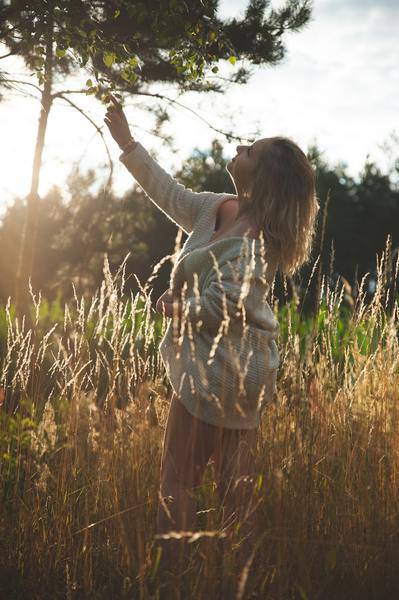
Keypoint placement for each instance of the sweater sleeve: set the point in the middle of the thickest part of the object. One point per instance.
(223, 295)
(180, 204)
(218, 301)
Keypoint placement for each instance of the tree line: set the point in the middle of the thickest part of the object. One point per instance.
(78, 227)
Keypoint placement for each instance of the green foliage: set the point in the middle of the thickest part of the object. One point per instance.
(360, 215)
(127, 45)
(3, 323)
(75, 234)
(15, 440)
(109, 58)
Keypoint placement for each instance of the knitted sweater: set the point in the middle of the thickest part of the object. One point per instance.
(221, 357)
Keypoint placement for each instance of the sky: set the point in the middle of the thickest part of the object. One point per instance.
(338, 86)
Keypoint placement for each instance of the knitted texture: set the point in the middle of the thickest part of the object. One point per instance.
(221, 357)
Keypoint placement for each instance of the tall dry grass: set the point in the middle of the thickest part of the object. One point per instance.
(80, 440)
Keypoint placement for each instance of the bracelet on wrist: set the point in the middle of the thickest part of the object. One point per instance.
(128, 146)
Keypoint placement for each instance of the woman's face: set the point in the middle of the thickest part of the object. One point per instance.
(242, 166)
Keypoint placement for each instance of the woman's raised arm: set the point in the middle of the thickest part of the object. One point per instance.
(179, 203)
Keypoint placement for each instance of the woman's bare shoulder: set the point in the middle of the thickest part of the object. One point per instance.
(227, 210)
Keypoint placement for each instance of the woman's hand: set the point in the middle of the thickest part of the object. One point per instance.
(165, 298)
(117, 123)
(165, 303)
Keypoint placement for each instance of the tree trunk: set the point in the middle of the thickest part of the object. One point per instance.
(26, 259)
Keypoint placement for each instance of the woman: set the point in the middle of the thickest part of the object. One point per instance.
(219, 349)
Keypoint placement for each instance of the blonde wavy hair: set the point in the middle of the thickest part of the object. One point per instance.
(284, 203)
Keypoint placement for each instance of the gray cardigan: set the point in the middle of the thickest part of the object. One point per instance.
(222, 358)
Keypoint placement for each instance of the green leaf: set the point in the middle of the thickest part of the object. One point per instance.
(60, 52)
(129, 76)
(109, 58)
(215, 69)
(117, 13)
(232, 60)
(89, 83)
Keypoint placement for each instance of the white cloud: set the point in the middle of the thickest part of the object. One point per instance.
(338, 81)
(361, 6)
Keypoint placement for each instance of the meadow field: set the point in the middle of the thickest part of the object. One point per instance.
(84, 400)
